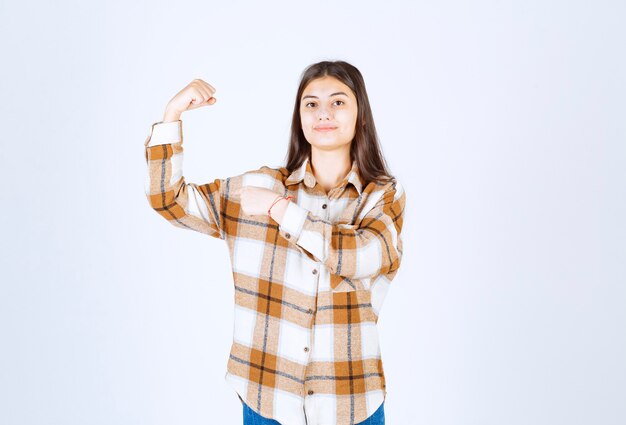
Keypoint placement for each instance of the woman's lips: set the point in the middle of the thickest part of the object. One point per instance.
(325, 128)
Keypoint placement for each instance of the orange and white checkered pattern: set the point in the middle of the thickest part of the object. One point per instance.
(308, 292)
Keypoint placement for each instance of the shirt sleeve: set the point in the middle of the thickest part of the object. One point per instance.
(187, 205)
(369, 248)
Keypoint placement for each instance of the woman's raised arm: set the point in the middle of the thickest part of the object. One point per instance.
(187, 205)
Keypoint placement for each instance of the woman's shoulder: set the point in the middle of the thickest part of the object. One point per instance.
(387, 184)
(393, 193)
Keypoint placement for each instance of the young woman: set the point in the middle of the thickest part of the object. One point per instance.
(313, 245)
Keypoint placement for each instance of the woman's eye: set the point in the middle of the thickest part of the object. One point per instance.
(341, 102)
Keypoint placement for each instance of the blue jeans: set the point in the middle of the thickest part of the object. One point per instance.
(250, 417)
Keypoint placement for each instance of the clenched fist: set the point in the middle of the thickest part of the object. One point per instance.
(195, 95)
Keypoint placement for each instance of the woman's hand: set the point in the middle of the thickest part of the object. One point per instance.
(257, 200)
(195, 95)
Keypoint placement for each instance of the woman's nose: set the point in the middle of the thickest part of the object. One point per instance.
(323, 113)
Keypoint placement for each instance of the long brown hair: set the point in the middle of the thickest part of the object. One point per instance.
(364, 148)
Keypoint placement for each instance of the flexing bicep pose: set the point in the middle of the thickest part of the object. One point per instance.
(314, 246)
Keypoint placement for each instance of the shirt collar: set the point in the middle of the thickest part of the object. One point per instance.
(305, 172)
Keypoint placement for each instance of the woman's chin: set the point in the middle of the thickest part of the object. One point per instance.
(328, 143)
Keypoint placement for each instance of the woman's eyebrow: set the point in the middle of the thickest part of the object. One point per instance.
(332, 94)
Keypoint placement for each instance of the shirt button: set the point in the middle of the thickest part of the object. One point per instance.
(287, 235)
(306, 349)
(314, 271)
(310, 392)
(324, 206)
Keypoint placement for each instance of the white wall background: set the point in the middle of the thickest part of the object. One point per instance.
(505, 120)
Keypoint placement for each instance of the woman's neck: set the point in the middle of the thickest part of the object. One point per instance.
(330, 167)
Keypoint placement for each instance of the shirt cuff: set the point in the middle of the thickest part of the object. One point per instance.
(164, 133)
(293, 221)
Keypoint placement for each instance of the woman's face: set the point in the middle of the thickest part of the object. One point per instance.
(328, 112)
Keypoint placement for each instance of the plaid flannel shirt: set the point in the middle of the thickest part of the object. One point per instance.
(308, 292)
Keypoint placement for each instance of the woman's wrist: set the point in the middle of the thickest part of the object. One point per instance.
(171, 115)
(278, 208)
